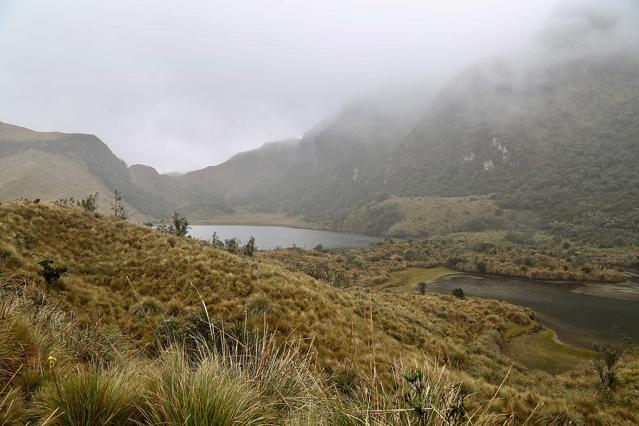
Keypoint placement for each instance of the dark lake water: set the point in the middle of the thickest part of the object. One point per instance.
(271, 237)
(577, 318)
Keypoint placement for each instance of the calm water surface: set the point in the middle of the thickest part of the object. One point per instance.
(271, 237)
(577, 318)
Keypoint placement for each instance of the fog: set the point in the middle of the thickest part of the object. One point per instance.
(183, 85)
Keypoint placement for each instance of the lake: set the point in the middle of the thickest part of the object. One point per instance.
(579, 319)
(271, 237)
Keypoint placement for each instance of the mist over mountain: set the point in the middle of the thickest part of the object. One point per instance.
(494, 173)
(551, 124)
(554, 126)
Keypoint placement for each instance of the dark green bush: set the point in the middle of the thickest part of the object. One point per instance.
(51, 274)
(459, 293)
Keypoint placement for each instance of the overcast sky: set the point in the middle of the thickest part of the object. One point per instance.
(180, 85)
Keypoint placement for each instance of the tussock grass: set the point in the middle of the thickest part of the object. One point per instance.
(11, 406)
(229, 377)
(85, 396)
(207, 394)
(332, 357)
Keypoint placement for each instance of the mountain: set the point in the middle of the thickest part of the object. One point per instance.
(548, 136)
(553, 132)
(545, 138)
(559, 140)
(298, 177)
(54, 165)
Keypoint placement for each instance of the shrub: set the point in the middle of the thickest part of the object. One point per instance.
(119, 211)
(605, 367)
(169, 333)
(249, 248)
(421, 287)
(232, 245)
(216, 242)
(179, 226)
(90, 203)
(453, 261)
(458, 293)
(65, 202)
(51, 274)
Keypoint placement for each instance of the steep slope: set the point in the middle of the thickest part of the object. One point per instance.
(560, 140)
(57, 165)
(321, 176)
(550, 134)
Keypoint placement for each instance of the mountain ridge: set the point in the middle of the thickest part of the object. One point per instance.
(559, 133)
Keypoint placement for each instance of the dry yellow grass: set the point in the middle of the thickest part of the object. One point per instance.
(22, 173)
(115, 265)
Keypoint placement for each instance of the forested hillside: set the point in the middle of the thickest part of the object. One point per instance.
(558, 140)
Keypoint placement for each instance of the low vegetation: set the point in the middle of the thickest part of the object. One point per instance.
(533, 256)
(127, 338)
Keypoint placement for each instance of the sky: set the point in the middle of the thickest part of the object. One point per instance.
(180, 85)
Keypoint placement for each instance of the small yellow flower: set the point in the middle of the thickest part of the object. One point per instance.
(52, 360)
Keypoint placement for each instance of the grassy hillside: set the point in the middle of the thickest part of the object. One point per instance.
(56, 165)
(533, 256)
(114, 264)
(139, 284)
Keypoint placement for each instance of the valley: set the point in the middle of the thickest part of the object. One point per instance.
(335, 214)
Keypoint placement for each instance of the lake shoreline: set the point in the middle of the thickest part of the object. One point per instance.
(578, 318)
(270, 237)
(592, 288)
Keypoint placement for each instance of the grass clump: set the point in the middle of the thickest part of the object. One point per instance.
(86, 396)
(11, 407)
(180, 394)
(147, 306)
